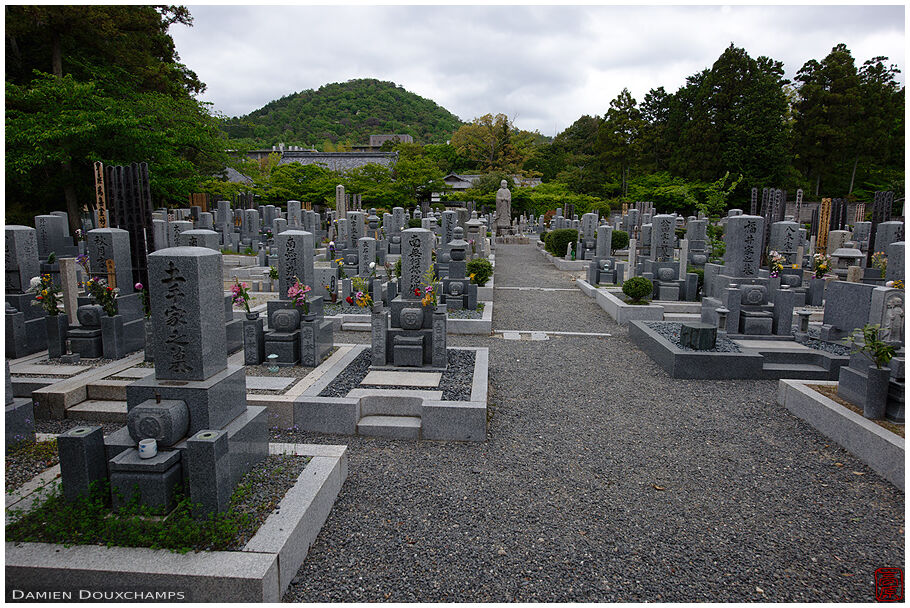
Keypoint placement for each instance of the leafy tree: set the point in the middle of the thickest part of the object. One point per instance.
(492, 143)
(87, 83)
(830, 101)
(618, 137)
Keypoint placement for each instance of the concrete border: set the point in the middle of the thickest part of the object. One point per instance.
(689, 364)
(260, 572)
(562, 264)
(440, 420)
(624, 313)
(880, 449)
(481, 326)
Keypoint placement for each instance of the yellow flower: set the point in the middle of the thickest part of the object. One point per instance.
(43, 292)
(471, 276)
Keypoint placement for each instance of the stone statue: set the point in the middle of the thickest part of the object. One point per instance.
(503, 209)
(893, 323)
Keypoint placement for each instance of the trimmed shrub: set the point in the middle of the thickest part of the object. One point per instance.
(639, 289)
(414, 222)
(558, 240)
(482, 270)
(700, 272)
(543, 236)
(620, 240)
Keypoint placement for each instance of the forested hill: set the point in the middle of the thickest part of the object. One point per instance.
(345, 113)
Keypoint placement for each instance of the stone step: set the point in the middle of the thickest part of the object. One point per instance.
(96, 410)
(108, 390)
(682, 317)
(390, 427)
(680, 307)
(352, 326)
(796, 371)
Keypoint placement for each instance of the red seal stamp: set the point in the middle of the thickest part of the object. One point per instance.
(889, 585)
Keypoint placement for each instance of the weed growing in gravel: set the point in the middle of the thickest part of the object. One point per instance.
(43, 454)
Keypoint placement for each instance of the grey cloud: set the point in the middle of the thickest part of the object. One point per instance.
(547, 64)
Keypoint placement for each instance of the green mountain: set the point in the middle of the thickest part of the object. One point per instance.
(344, 113)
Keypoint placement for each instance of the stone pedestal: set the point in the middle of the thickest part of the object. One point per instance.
(253, 340)
(113, 342)
(57, 326)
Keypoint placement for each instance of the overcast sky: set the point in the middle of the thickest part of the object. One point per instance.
(544, 66)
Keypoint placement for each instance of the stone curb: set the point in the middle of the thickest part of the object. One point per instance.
(882, 450)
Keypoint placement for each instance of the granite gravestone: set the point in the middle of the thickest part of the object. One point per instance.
(295, 259)
(111, 244)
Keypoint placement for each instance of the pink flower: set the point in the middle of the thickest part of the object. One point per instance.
(138, 286)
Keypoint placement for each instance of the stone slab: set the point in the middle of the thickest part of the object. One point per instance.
(273, 383)
(394, 378)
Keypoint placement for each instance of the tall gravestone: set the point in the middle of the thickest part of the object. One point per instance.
(111, 244)
(366, 254)
(21, 257)
(785, 240)
(294, 217)
(662, 237)
(295, 259)
(340, 202)
(743, 240)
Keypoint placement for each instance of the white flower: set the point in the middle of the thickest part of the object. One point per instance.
(372, 265)
(889, 284)
(33, 284)
(331, 243)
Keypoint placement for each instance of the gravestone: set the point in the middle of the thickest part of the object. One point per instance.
(662, 237)
(111, 244)
(200, 238)
(295, 259)
(294, 217)
(21, 257)
(192, 392)
(743, 240)
(174, 230)
(366, 254)
(785, 240)
(887, 233)
(341, 202)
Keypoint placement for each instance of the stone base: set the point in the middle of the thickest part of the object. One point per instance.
(212, 402)
(154, 479)
(248, 441)
(86, 342)
(284, 344)
(234, 335)
(24, 337)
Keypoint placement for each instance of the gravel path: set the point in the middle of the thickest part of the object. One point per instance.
(603, 479)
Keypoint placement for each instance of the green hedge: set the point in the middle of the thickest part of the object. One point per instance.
(639, 289)
(620, 240)
(482, 270)
(414, 222)
(558, 240)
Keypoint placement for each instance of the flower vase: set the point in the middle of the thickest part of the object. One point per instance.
(252, 316)
(57, 326)
(876, 392)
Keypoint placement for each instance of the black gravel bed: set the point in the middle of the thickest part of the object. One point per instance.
(27, 460)
(55, 427)
(82, 362)
(670, 330)
(603, 479)
(829, 347)
(57, 376)
(343, 308)
(455, 382)
(261, 490)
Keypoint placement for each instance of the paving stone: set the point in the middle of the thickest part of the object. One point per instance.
(394, 378)
(268, 383)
